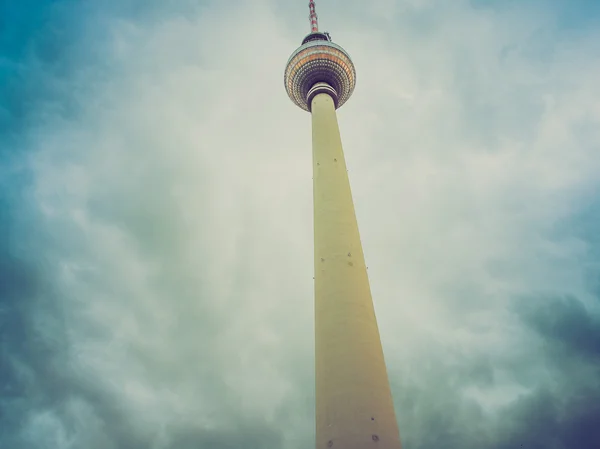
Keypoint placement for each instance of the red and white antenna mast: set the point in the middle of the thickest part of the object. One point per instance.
(314, 20)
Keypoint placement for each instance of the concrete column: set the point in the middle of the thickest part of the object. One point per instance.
(354, 407)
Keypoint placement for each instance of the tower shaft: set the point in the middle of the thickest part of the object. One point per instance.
(354, 407)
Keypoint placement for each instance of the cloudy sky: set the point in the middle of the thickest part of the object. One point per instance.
(156, 220)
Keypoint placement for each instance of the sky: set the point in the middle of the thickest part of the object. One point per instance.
(156, 220)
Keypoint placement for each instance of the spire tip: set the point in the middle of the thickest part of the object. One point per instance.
(314, 20)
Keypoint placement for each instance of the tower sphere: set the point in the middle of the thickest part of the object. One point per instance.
(318, 60)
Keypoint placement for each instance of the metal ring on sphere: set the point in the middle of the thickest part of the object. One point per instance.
(319, 61)
(321, 88)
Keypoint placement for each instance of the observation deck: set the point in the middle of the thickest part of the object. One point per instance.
(319, 60)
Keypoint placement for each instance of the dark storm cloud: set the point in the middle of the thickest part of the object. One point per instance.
(562, 419)
(41, 43)
(560, 412)
(433, 413)
(27, 359)
(567, 327)
(32, 47)
(35, 44)
(561, 405)
(563, 412)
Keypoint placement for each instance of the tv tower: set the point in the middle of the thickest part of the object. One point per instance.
(354, 407)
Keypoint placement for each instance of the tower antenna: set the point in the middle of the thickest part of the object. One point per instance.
(314, 20)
